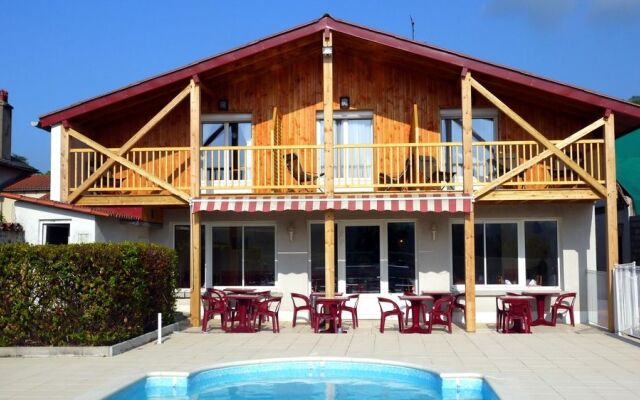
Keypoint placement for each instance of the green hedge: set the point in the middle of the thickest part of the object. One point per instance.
(83, 294)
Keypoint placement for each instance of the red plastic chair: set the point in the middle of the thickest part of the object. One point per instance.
(268, 308)
(353, 309)
(517, 311)
(457, 302)
(394, 311)
(327, 311)
(213, 304)
(500, 311)
(564, 303)
(441, 312)
(302, 304)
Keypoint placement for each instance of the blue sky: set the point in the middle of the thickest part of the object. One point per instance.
(58, 52)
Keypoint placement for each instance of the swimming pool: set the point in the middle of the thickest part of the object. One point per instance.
(308, 379)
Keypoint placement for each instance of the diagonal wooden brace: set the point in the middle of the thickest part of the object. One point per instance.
(532, 161)
(129, 144)
(540, 138)
(133, 167)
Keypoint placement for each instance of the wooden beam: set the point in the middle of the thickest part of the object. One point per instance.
(194, 267)
(611, 210)
(469, 220)
(327, 108)
(540, 138)
(329, 252)
(195, 138)
(415, 138)
(129, 200)
(64, 163)
(130, 143)
(541, 156)
(470, 271)
(327, 84)
(116, 158)
(521, 195)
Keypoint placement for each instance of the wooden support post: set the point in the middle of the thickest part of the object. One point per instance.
(194, 258)
(195, 138)
(195, 143)
(329, 216)
(329, 252)
(469, 219)
(611, 209)
(64, 164)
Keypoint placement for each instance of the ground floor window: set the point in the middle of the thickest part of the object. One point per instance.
(182, 245)
(361, 247)
(401, 243)
(316, 251)
(243, 255)
(523, 253)
(55, 233)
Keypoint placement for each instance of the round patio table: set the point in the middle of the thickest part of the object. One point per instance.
(416, 307)
(333, 304)
(244, 302)
(541, 298)
(239, 290)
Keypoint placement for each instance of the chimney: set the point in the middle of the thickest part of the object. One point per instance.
(5, 125)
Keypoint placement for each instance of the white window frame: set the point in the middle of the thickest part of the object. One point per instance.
(205, 281)
(384, 252)
(46, 222)
(522, 264)
(209, 249)
(363, 184)
(456, 113)
(243, 184)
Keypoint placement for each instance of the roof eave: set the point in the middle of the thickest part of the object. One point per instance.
(456, 59)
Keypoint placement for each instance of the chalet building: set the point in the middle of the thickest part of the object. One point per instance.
(336, 157)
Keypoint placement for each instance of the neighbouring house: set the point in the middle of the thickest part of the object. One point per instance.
(333, 156)
(36, 186)
(46, 221)
(12, 168)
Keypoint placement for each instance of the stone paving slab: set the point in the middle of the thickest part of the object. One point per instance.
(552, 363)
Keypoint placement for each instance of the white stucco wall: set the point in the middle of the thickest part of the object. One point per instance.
(82, 227)
(576, 242)
(56, 141)
(113, 230)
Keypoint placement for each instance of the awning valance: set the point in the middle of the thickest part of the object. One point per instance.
(375, 202)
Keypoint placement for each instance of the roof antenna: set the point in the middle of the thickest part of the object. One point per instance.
(413, 28)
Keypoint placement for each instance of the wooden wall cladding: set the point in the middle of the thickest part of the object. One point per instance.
(388, 85)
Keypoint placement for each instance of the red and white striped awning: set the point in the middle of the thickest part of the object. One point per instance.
(401, 202)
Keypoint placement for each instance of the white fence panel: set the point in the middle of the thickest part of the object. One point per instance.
(627, 284)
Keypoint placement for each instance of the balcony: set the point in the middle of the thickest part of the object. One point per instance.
(358, 168)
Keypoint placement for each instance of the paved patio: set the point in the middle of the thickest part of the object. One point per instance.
(552, 363)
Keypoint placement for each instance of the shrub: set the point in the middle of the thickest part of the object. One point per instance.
(83, 294)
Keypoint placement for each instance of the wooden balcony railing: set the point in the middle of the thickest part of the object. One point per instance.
(357, 167)
(170, 164)
(494, 159)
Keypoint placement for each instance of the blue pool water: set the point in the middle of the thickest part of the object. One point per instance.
(335, 380)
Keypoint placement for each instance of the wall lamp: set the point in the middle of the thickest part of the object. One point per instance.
(434, 230)
(291, 229)
(344, 102)
(223, 105)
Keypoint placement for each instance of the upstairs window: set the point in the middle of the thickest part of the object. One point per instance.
(230, 163)
(353, 158)
(485, 129)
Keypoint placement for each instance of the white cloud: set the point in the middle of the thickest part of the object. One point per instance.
(614, 11)
(543, 13)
